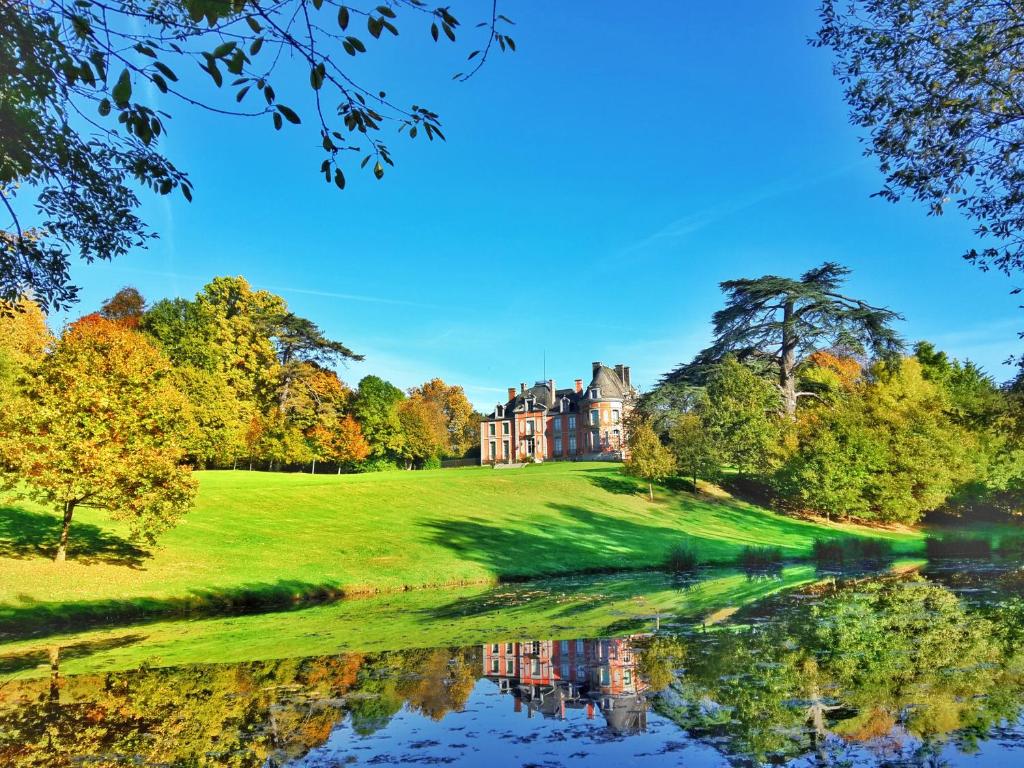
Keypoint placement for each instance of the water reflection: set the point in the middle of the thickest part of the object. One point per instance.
(550, 677)
(902, 669)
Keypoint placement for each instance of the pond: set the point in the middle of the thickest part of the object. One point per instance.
(916, 664)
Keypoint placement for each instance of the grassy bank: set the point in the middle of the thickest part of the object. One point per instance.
(257, 538)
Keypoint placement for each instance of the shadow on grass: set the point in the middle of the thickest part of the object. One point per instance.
(616, 482)
(25, 535)
(30, 619)
(41, 656)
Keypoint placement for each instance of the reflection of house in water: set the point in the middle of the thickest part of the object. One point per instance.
(552, 676)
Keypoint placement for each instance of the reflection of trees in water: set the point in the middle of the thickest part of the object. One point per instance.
(240, 715)
(898, 667)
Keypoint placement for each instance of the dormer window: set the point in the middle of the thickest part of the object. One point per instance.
(563, 405)
(500, 412)
(595, 393)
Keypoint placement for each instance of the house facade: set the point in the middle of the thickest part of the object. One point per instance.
(543, 423)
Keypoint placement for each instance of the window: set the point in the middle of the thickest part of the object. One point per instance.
(509, 667)
(490, 429)
(535, 667)
(495, 669)
(564, 647)
(595, 417)
(556, 424)
(581, 672)
(572, 445)
(504, 427)
(616, 416)
(564, 670)
(579, 646)
(508, 647)
(606, 678)
(627, 677)
(616, 437)
(572, 423)
(558, 446)
(493, 450)
(529, 427)
(504, 449)
(494, 648)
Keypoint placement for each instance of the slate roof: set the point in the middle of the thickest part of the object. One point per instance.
(608, 382)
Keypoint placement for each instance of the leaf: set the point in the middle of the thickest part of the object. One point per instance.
(224, 49)
(186, 190)
(378, 170)
(374, 25)
(160, 82)
(122, 90)
(254, 48)
(356, 43)
(288, 113)
(253, 24)
(166, 71)
(383, 10)
(316, 76)
(318, 4)
(339, 178)
(433, 32)
(104, 107)
(343, 18)
(277, 121)
(448, 31)
(241, 94)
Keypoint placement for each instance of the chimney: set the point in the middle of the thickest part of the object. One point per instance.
(619, 373)
(625, 375)
(511, 393)
(551, 387)
(579, 385)
(596, 367)
(522, 387)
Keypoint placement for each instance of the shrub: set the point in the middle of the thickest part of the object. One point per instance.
(1011, 546)
(378, 465)
(760, 557)
(837, 552)
(871, 549)
(432, 462)
(957, 546)
(829, 551)
(681, 557)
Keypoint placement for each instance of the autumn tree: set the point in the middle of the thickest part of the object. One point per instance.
(648, 458)
(424, 429)
(452, 402)
(347, 446)
(86, 90)
(774, 324)
(299, 342)
(127, 306)
(100, 426)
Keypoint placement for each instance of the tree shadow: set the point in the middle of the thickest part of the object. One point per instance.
(25, 534)
(31, 619)
(620, 484)
(37, 657)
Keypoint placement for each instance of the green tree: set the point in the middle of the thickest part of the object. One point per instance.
(776, 323)
(424, 429)
(696, 455)
(299, 343)
(648, 459)
(376, 409)
(936, 86)
(740, 418)
(85, 90)
(101, 426)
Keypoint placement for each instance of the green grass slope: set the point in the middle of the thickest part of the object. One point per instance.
(257, 535)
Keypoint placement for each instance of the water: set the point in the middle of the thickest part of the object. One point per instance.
(921, 665)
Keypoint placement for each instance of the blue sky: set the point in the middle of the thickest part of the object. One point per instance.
(595, 188)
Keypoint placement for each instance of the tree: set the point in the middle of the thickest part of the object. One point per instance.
(648, 458)
(424, 429)
(86, 88)
(776, 323)
(740, 418)
(457, 411)
(300, 342)
(376, 409)
(24, 339)
(696, 454)
(348, 446)
(126, 306)
(936, 85)
(101, 426)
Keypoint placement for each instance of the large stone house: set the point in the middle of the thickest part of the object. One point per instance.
(544, 423)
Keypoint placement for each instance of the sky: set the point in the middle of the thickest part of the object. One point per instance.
(594, 189)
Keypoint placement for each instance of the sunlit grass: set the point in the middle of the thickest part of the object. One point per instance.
(253, 534)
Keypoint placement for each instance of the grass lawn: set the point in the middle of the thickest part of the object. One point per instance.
(269, 537)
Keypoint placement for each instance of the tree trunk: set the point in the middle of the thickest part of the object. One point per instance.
(54, 654)
(313, 470)
(787, 362)
(62, 546)
(650, 490)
